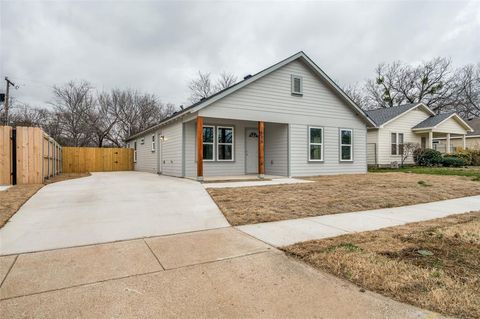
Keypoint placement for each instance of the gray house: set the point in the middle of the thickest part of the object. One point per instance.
(290, 119)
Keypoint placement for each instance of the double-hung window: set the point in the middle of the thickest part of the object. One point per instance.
(397, 143)
(225, 140)
(315, 144)
(208, 143)
(153, 143)
(346, 145)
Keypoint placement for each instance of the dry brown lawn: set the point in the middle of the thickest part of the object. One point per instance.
(337, 194)
(433, 265)
(14, 197)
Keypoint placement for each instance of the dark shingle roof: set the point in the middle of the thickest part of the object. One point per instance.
(383, 115)
(475, 124)
(433, 120)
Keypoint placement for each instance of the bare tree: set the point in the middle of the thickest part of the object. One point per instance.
(203, 86)
(73, 103)
(432, 82)
(225, 80)
(468, 91)
(357, 95)
(406, 150)
(102, 119)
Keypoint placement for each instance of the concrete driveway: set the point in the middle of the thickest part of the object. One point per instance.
(109, 207)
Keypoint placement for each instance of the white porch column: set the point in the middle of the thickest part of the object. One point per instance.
(448, 143)
(430, 139)
(464, 140)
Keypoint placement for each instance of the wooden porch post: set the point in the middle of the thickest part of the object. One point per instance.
(430, 139)
(464, 140)
(199, 148)
(261, 149)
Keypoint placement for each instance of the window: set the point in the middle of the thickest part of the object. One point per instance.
(346, 145)
(297, 85)
(397, 143)
(135, 152)
(142, 141)
(153, 143)
(208, 142)
(225, 143)
(315, 144)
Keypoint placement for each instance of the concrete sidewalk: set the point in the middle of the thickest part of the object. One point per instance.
(287, 232)
(221, 273)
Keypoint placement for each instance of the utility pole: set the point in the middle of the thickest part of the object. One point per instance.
(7, 97)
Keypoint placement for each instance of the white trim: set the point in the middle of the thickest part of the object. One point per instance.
(456, 137)
(310, 143)
(410, 109)
(233, 143)
(212, 143)
(462, 122)
(351, 145)
(153, 143)
(135, 151)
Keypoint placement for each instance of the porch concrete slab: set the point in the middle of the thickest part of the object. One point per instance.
(354, 222)
(106, 207)
(6, 263)
(283, 233)
(263, 285)
(206, 246)
(276, 181)
(56, 269)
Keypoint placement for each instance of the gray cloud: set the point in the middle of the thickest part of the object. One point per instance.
(159, 46)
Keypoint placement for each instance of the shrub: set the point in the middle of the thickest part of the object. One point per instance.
(465, 155)
(427, 157)
(474, 156)
(453, 161)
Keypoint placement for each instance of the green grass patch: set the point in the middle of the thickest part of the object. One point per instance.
(473, 172)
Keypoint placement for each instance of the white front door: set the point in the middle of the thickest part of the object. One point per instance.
(251, 152)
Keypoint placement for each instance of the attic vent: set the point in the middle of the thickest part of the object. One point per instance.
(247, 76)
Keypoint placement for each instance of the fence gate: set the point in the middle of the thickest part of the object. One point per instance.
(96, 159)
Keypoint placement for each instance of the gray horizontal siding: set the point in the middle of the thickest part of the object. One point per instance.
(276, 149)
(171, 159)
(146, 159)
(300, 166)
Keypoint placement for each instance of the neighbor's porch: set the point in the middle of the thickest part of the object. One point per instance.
(230, 149)
(443, 142)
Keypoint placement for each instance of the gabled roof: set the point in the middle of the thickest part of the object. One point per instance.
(475, 125)
(225, 92)
(434, 121)
(384, 115)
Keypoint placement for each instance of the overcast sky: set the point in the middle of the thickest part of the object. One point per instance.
(158, 46)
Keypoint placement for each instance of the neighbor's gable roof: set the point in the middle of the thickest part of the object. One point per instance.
(219, 95)
(386, 115)
(436, 120)
(475, 125)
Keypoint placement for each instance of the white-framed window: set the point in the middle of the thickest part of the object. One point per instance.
(208, 143)
(225, 140)
(142, 141)
(315, 143)
(297, 85)
(135, 151)
(153, 143)
(346, 144)
(397, 143)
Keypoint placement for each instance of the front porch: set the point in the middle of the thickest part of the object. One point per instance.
(443, 142)
(220, 150)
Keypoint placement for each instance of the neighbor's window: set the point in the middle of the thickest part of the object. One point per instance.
(142, 141)
(297, 85)
(208, 142)
(225, 140)
(315, 144)
(397, 143)
(153, 143)
(135, 151)
(346, 145)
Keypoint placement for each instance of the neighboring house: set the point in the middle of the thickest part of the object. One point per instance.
(472, 140)
(290, 119)
(409, 123)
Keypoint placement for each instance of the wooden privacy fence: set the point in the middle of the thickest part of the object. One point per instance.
(28, 155)
(96, 159)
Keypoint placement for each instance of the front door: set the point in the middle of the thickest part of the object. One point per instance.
(424, 142)
(251, 151)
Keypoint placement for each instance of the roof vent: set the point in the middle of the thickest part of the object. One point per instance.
(247, 76)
